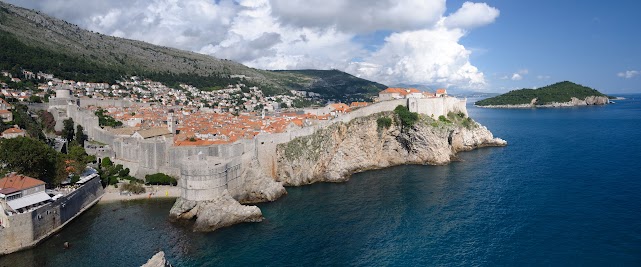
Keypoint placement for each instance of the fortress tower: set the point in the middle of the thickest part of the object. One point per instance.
(171, 124)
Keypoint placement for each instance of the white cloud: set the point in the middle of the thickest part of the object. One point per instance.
(472, 15)
(628, 74)
(422, 57)
(359, 15)
(516, 77)
(543, 77)
(423, 46)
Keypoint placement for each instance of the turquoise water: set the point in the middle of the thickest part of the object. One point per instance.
(566, 191)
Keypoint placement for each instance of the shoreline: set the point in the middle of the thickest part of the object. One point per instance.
(112, 194)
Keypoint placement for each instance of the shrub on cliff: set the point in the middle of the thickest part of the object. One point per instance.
(407, 118)
(160, 179)
(384, 122)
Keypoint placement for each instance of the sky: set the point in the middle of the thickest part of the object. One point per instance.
(488, 46)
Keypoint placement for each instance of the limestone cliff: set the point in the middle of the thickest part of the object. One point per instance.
(334, 153)
(213, 189)
(574, 102)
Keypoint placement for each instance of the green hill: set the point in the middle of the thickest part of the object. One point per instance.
(37, 42)
(558, 92)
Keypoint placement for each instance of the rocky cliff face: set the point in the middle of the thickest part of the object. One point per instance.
(334, 153)
(588, 101)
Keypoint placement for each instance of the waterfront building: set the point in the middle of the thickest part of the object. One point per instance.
(19, 193)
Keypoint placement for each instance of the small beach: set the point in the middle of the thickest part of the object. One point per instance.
(113, 194)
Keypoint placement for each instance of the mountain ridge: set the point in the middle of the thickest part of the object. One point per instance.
(107, 56)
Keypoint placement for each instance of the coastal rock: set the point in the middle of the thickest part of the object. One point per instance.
(574, 102)
(334, 153)
(224, 211)
(183, 209)
(214, 214)
(157, 260)
(258, 187)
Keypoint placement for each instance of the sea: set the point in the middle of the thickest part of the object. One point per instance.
(566, 191)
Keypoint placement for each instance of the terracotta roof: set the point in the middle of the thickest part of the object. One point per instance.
(440, 91)
(401, 91)
(340, 107)
(12, 130)
(4, 111)
(19, 182)
(358, 104)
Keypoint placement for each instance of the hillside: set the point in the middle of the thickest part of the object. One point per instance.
(35, 41)
(556, 93)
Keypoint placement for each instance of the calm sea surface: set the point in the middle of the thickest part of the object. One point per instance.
(566, 191)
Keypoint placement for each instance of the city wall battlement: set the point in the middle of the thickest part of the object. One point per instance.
(144, 157)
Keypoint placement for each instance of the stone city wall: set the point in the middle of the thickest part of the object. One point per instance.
(157, 155)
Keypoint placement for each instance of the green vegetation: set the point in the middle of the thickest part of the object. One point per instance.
(106, 120)
(16, 55)
(133, 187)
(32, 158)
(111, 174)
(47, 120)
(558, 92)
(23, 118)
(460, 118)
(160, 179)
(67, 131)
(80, 137)
(96, 65)
(407, 118)
(328, 83)
(384, 122)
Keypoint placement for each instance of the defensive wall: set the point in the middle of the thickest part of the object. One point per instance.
(150, 156)
(26, 230)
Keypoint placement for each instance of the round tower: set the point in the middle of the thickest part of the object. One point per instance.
(202, 178)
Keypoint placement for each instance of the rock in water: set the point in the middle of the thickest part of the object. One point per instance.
(157, 260)
(214, 214)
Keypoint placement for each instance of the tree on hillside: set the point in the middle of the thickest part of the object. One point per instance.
(67, 130)
(22, 118)
(81, 137)
(30, 157)
(47, 120)
(77, 159)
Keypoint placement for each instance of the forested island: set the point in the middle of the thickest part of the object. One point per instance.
(559, 94)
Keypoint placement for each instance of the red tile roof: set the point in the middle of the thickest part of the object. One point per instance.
(19, 182)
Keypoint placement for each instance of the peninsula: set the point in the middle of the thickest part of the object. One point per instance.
(226, 134)
(562, 94)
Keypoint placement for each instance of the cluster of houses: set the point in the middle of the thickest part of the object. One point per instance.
(400, 93)
(192, 126)
(234, 98)
(7, 116)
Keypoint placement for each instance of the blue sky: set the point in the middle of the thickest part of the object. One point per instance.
(588, 42)
(487, 46)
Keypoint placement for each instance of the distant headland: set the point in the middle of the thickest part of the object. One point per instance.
(562, 94)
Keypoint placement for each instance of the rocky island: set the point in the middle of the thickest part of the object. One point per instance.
(562, 94)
